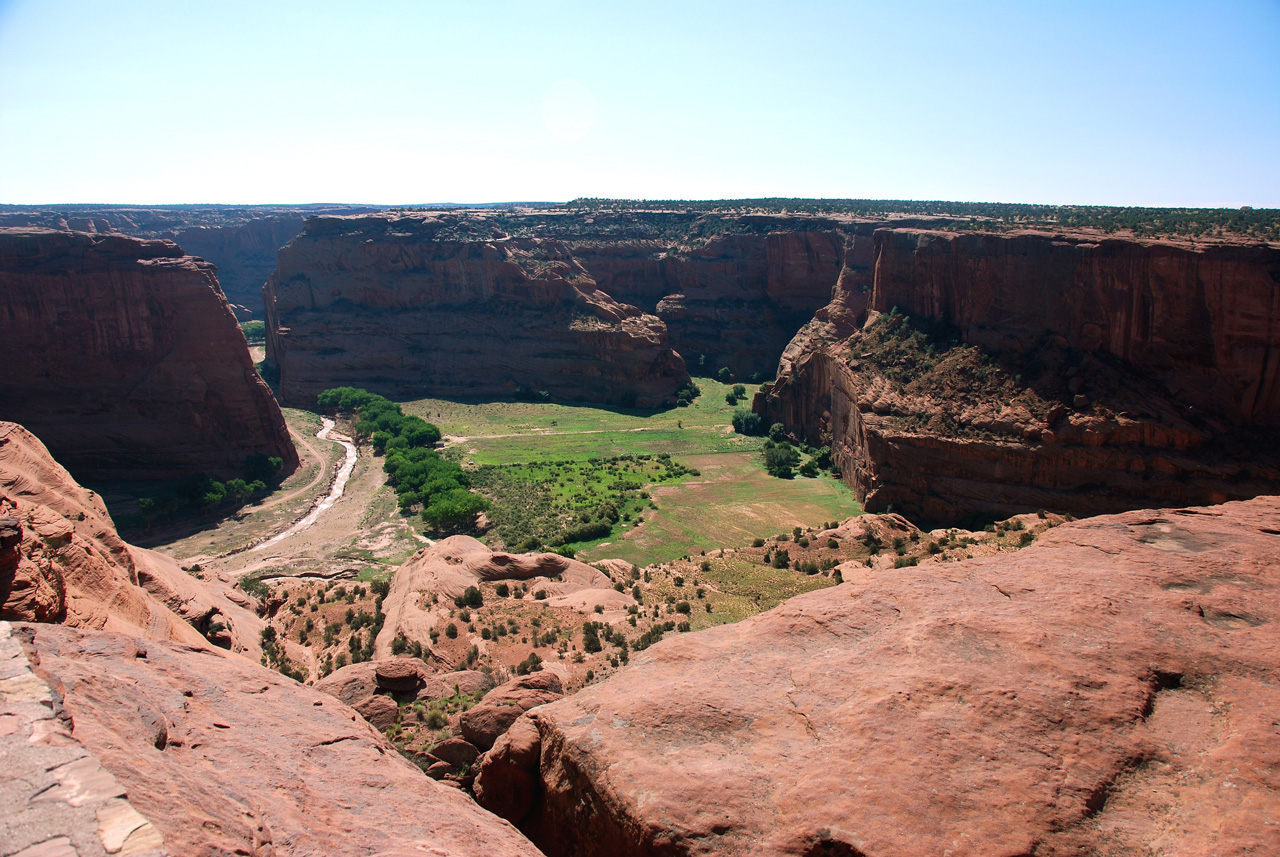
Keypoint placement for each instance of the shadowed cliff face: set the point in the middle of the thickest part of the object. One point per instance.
(123, 356)
(386, 303)
(1036, 371)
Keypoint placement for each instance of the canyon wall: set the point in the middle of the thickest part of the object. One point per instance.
(1108, 690)
(240, 240)
(409, 306)
(986, 375)
(123, 356)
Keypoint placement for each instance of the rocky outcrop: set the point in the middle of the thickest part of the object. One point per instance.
(389, 304)
(423, 589)
(227, 757)
(61, 560)
(1109, 690)
(493, 716)
(124, 358)
(984, 375)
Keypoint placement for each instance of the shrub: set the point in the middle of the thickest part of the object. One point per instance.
(833, 544)
(470, 597)
(451, 631)
(531, 664)
(906, 561)
(747, 423)
(502, 590)
(757, 543)
(781, 559)
(683, 607)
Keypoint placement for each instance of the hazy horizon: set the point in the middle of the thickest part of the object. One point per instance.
(1136, 104)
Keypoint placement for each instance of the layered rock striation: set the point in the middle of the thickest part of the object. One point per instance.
(1109, 690)
(987, 375)
(123, 356)
(389, 304)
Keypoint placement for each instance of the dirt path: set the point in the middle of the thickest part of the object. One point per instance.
(335, 490)
(301, 440)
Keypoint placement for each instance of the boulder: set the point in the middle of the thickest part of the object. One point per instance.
(380, 711)
(1110, 689)
(507, 782)
(456, 752)
(399, 675)
(485, 722)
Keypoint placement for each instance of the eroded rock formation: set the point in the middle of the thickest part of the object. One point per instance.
(61, 560)
(1111, 690)
(423, 589)
(385, 303)
(124, 358)
(1031, 371)
(227, 757)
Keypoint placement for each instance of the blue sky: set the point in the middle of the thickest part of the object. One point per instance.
(1123, 103)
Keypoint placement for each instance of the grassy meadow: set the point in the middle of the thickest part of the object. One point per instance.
(725, 499)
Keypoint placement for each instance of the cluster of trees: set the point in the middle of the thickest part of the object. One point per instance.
(736, 394)
(201, 491)
(420, 476)
(558, 503)
(781, 456)
(255, 332)
(380, 420)
(686, 393)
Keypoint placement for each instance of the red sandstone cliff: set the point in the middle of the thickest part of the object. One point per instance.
(1036, 371)
(391, 304)
(124, 358)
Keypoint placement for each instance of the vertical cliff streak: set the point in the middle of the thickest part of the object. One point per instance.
(124, 357)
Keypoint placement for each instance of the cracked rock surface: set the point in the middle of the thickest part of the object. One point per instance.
(227, 757)
(58, 799)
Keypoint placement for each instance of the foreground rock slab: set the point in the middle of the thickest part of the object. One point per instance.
(1111, 690)
(227, 757)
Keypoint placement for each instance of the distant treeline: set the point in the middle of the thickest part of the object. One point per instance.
(1258, 223)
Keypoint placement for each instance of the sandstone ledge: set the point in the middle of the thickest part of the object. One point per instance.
(1109, 690)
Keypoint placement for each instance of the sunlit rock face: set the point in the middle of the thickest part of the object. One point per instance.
(1071, 373)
